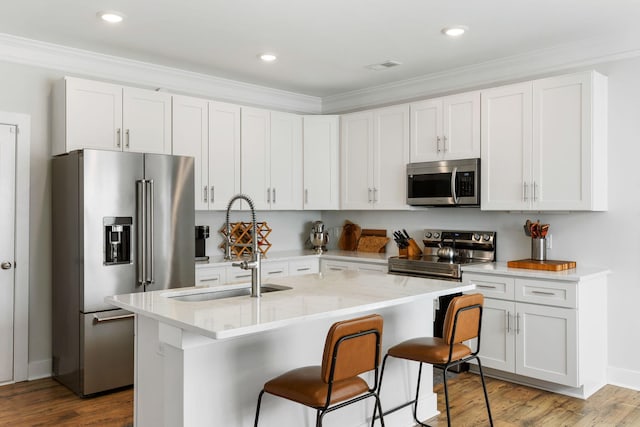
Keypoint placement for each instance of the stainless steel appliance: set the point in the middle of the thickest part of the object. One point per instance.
(318, 237)
(444, 183)
(202, 234)
(445, 252)
(122, 223)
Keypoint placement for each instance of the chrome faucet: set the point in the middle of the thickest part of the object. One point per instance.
(254, 263)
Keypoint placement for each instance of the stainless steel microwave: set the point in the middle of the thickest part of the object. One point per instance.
(444, 183)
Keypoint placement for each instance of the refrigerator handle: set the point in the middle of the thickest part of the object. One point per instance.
(141, 231)
(150, 273)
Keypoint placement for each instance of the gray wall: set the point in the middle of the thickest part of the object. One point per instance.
(609, 239)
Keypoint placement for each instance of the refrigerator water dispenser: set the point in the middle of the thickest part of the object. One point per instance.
(117, 240)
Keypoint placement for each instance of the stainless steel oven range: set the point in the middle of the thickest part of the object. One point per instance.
(445, 252)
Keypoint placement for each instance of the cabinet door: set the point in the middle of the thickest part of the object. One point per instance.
(286, 161)
(321, 164)
(190, 138)
(562, 143)
(255, 156)
(390, 157)
(146, 119)
(426, 130)
(461, 122)
(93, 115)
(506, 147)
(224, 154)
(547, 343)
(356, 148)
(210, 276)
(497, 342)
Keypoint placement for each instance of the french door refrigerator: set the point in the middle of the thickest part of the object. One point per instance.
(121, 223)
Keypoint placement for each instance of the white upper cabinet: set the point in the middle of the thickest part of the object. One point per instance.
(321, 138)
(374, 155)
(209, 132)
(544, 145)
(271, 158)
(446, 128)
(224, 154)
(190, 138)
(110, 117)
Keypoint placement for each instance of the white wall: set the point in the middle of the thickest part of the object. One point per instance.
(610, 239)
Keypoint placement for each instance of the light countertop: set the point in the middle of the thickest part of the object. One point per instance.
(312, 296)
(573, 275)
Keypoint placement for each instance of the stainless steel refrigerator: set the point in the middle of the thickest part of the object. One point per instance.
(122, 223)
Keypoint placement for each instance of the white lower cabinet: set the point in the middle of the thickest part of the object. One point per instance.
(227, 274)
(544, 329)
(210, 276)
(328, 265)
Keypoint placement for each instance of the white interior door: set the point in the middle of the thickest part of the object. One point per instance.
(7, 248)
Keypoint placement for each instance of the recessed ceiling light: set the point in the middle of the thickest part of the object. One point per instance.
(110, 16)
(456, 31)
(267, 57)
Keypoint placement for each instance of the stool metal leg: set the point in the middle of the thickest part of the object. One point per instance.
(446, 394)
(484, 388)
(255, 423)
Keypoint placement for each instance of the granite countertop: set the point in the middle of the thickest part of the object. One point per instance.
(573, 275)
(312, 296)
(381, 258)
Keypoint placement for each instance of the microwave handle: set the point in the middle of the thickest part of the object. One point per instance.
(453, 185)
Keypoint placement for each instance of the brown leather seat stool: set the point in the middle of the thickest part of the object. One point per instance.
(462, 322)
(352, 348)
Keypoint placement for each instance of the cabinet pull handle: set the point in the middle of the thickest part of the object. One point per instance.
(369, 195)
(375, 195)
(242, 276)
(543, 293)
(444, 143)
(534, 191)
(211, 279)
(438, 144)
(508, 322)
(205, 192)
(268, 195)
(303, 269)
(212, 194)
(274, 195)
(335, 269)
(275, 272)
(518, 323)
(119, 138)
(524, 192)
(126, 134)
(485, 286)
(306, 196)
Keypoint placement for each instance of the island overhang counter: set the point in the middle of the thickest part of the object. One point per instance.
(204, 362)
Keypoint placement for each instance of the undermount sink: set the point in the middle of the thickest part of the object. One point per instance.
(214, 294)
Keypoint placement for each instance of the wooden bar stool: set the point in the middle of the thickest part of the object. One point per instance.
(462, 322)
(352, 347)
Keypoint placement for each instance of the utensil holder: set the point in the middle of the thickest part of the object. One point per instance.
(539, 249)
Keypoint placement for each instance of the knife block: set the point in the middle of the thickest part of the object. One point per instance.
(411, 251)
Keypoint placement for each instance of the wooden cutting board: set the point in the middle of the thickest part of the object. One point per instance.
(548, 265)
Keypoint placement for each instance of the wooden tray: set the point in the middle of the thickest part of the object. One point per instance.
(548, 265)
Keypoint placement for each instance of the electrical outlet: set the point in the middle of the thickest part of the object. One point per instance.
(549, 240)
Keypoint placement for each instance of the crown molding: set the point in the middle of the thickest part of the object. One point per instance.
(491, 73)
(95, 65)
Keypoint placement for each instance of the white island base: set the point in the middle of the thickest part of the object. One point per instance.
(193, 369)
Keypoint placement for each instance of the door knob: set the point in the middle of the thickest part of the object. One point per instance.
(5, 265)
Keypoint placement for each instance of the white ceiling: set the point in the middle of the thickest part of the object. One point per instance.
(322, 46)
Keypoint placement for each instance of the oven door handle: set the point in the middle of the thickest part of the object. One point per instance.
(453, 185)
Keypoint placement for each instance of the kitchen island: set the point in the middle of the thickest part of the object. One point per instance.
(204, 362)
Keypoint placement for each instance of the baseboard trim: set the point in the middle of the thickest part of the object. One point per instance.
(39, 369)
(623, 378)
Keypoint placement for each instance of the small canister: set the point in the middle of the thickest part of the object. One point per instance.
(539, 249)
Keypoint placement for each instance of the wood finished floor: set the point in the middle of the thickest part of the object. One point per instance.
(47, 403)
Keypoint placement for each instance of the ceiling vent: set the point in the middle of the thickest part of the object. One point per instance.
(384, 65)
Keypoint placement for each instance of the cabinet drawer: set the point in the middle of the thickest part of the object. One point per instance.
(305, 266)
(210, 276)
(560, 294)
(238, 275)
(275, 269)
(499, 287)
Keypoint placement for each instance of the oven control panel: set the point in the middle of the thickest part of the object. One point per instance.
(450, 236)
